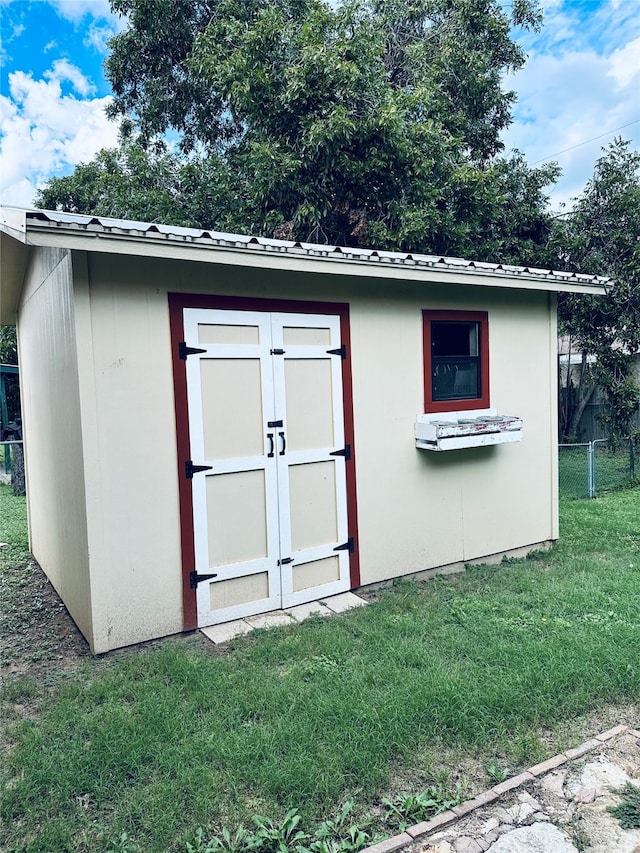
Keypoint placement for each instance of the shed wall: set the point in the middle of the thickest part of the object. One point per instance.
(416, 510)
(52, 428)
(422, 509)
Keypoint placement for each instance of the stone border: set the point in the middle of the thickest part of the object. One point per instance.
(443, 820)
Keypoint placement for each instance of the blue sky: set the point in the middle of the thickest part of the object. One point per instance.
(579, 89)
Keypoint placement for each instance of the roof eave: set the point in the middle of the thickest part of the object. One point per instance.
(116, 236)
(320, 259)
(14, 254)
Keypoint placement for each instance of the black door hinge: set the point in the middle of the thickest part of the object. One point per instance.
(184, 350)
(195, 579)
(285, 561)
(348, 546)
(277, 352)
(341, 351)
(346, 452)
(190, 469)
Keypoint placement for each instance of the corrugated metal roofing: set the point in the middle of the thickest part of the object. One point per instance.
(97, 225)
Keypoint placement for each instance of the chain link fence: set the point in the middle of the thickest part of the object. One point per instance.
(593, 467)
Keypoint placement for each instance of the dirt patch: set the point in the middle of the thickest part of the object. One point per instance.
(37, 635)
(38, 638)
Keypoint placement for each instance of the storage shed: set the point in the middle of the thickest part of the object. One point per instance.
(219, 425)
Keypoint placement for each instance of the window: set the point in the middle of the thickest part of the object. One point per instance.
(456, 360)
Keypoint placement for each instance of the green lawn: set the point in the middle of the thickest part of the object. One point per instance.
(159, 741)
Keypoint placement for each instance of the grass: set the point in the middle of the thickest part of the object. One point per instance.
(139, 749)
(13, 528)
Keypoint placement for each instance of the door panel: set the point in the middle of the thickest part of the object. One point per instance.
(308, 388)
(238, 593)
(310, 336)
(313, 505)
(232, 407)
(311, 482)
(266, 413)
(236, 537)
(226, 433)
(224, 333)
(317, 572)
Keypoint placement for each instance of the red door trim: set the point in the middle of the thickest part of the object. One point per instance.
(179, 301)
(185, 495)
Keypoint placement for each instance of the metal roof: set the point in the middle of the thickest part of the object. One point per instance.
(15, 220)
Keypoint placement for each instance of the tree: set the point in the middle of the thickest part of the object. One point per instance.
(601, 235)
(126, 183)
(9, 355)
(373, 123)
(10, 415)
(8, 345)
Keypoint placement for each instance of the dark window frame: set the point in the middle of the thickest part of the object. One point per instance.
(468, 403)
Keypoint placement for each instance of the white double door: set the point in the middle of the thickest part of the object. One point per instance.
(266, 426)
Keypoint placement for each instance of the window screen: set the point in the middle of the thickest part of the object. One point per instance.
(455, 361)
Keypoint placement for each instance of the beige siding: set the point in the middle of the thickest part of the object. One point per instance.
(103, 361)
(417, 510)
(132, 488)
(53, 440)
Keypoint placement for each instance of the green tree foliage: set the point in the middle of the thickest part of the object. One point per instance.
(372, 122)
(8, 345)
(9, 355)
(602, 235)
(126, 183)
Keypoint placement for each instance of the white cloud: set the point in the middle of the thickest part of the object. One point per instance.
(625, 64)
(97, 37)
(44, 132)
(579, 90)
(64, 71)
(600, 25)
(103, 22)
(75, 10)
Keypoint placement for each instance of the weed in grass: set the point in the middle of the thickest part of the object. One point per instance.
(317, 666)
(273, 838)
(338, 835)
(497, 773)
(124, 844)
(403, 810)
(342, 834)
(628, 811)
(213, 845)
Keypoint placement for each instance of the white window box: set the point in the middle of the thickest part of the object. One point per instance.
(458, 430)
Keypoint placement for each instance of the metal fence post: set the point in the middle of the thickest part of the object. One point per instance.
(632, 460)
(591, 457)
